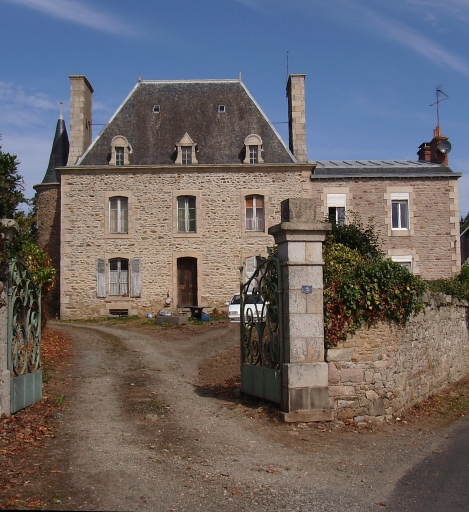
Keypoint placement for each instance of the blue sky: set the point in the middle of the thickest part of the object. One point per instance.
(371, 67)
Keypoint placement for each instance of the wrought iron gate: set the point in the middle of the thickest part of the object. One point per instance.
(261, 326)
(24, 337)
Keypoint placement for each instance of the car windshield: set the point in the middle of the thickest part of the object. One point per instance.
(250, 299)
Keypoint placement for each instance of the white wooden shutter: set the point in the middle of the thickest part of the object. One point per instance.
(100, 277)
(135, 277)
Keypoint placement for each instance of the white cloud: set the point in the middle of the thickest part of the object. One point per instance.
(20, 107)
(78, 12)
(355, 13)
(410, 38)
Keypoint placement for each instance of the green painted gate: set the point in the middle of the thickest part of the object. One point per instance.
(261, 330)
(23, 337)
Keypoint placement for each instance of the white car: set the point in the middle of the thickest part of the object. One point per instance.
(254, 305)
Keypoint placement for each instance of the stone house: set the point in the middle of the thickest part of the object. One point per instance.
(180, 187)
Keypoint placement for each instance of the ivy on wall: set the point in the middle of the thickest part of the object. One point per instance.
(361, 287)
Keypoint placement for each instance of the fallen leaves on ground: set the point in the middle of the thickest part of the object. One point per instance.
(25, 431)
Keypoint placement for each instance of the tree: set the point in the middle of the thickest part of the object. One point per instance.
(23, 245)
(11, 186)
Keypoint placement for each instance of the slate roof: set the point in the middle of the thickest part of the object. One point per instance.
(188, 107)
(333, 169)
(59, 152)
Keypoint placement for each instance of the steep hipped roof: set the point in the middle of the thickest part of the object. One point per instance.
(156, 115)
(333, 169)
(59, 152)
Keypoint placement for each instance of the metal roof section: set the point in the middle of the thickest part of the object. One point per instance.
(333, 169)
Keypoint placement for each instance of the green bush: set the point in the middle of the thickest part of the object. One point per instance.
(360, 286)
(458, 286)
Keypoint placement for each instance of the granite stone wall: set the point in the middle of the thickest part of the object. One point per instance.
(432, 239)
(382, 370)
(219, 244)
(48, 224)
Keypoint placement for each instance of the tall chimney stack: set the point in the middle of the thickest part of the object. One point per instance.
(80, 117)
(297, 117)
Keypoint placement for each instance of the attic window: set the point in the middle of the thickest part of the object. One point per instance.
(253, 149)
(221, 108)
(156, 109)
(120, 151)
(186, 150)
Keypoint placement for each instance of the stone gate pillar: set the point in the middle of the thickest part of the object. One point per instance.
(305, 373)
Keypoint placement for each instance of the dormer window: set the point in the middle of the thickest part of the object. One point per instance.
(186, 155)
(186, 151)
(253, 148)
(120, 151)
(119, 155)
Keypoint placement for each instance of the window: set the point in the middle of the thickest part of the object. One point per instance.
(156, 109)
(119, 156)
(119, 277)
(221, 108)
(124, 277)
(253, 154)
(120, 151)
(255, 213)
(186, 150)
(253, 149)
(404, 261)
(336, 208)
(186, 155)
(400, 213)
(337, 215)
(186, 214)
(118, 215)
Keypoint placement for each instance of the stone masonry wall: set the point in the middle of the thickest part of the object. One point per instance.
(218, 245)
(433, 238)
(384, 369)
(48, 214)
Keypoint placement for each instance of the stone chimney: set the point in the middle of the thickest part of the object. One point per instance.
(435, 151)
(297, 117)
(80, 117)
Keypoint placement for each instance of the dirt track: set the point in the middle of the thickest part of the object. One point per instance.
(138, 434)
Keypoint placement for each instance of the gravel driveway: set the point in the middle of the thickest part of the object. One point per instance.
(138, 434)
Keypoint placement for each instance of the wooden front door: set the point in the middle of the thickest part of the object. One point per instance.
(187, 282)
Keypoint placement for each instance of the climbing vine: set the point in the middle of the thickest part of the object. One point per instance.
(362, 287)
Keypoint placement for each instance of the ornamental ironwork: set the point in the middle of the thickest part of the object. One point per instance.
(261, 318)
(24, 320)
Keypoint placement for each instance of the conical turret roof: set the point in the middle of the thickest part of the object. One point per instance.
(59, 152)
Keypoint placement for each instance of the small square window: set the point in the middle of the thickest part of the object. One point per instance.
(156, 109)
(221, 108)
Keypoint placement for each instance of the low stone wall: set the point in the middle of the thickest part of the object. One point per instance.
(384, 369)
